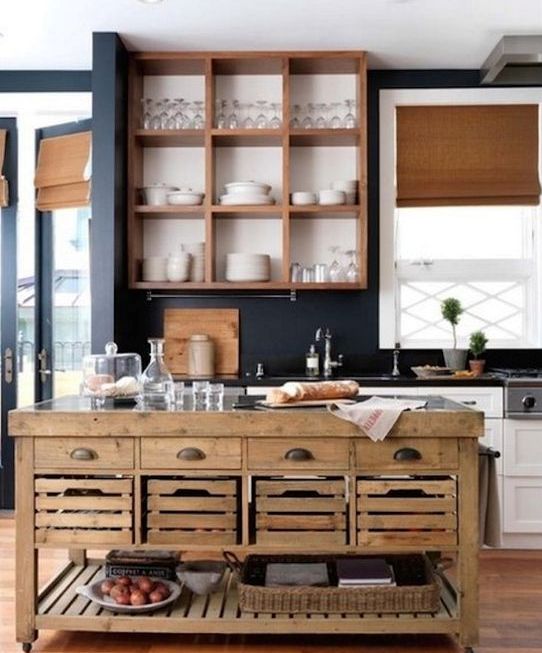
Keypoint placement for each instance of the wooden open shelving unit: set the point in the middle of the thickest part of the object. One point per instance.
(210, 65)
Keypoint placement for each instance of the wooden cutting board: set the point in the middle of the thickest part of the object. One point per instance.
(220, 324)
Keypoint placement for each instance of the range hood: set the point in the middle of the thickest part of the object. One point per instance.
(515, 60)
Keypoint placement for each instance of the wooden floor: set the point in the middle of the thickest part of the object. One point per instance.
(511, 619)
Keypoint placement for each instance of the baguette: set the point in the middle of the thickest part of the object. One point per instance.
(299, 391)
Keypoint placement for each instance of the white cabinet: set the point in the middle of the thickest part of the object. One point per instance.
(488, 399)
(523, 447)
(523, 505)
(389, 391)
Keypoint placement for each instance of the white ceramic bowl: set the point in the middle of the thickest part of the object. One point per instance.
(331, 197)
(185, 197)
(303, 198)
(345, 184)
(245, 199)
(154, 268)
(256, 187)
(156, 194)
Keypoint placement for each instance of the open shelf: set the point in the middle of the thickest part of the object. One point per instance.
(321, 137)
(169, 211)
(264, 211)
(323, 211)
(171, 137)
(247, 137)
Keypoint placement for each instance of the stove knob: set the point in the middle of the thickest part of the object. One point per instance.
(528, 401)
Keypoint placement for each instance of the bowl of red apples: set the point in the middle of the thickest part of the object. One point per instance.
(127, 594)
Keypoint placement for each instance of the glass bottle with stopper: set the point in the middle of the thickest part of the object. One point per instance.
(312, 362)
(156, 381)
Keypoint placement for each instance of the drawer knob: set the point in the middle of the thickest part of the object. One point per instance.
(82, 453)
(191, 453)
(298, 454)
(471, 402)
(407, 453)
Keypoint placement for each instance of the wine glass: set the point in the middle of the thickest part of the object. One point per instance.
(182, 121)
(295, 121)
(261, 118)
(221, 113)
(164, 113)
(275, 122)
(349, 119)
(198, 121)
(146, 112)
(352, 271)
(335, 122)
(248, 122)
(308, 120)
(320, 122)
(232, 121)
(171, 111)
(336, 271)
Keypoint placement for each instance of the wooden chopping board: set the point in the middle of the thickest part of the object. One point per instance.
(307, 402)
(220, 324)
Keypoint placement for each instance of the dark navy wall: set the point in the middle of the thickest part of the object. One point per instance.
(276, 332)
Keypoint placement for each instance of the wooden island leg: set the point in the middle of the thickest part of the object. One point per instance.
(468, 542)
(25, 552)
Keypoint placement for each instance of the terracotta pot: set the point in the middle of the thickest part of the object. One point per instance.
(477, 366)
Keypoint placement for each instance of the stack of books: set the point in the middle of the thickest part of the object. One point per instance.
(362, 572)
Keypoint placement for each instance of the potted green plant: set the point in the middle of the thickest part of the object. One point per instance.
(451, 310)
(477, 345)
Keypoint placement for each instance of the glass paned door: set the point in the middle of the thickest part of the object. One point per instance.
(63, 334)
(8, 313)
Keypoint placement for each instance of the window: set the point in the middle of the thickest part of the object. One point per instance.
(489, 257)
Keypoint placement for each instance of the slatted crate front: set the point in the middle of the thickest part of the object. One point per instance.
(193, 510)
(300, 512)
(83, 510)
(407, 510)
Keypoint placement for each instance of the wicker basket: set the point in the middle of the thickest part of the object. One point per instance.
(421, 594)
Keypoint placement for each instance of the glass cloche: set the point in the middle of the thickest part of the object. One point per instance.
(111, 374)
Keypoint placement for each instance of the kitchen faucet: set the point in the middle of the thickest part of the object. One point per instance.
(328, 363)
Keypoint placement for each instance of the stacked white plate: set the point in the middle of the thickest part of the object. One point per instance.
(248, 267)
(197, 260)
(243, 193)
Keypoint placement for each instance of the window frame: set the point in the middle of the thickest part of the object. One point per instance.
(388, 296)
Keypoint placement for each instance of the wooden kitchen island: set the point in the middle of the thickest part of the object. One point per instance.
(202, 482)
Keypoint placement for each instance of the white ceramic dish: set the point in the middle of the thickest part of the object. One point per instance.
(156, 194)
(331, 197)
(430, 371)
(245, 199)
(303, 198)
(154, 268)
(256, 187)
(185, 197)
(94, 593)
(345, 184)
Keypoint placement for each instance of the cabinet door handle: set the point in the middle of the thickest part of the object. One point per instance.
(407, 453)
(8, 365)
(472, 402)
(299, 454)
(83, 453)
(191, 453)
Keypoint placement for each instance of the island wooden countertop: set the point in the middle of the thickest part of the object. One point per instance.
(72, 416)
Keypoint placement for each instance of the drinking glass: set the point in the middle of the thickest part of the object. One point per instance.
(308, 120)
(320, 272)
(146, 112)
(221, 113)
(215, 396)
(199, 394)
(232, 121)
(178, 395)
(295, 272)
(198, 121)
(336, 271)
(320, 122)
(248, 122)
(335, 122)
(295, 121)
(261, 118)
(352, 271)
(276, 121)
(307, 275)
(349, 120)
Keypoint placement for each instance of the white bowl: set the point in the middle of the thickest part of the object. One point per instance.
(331, 197)
(185, 198)
(345, 184)
(303, 198)
(245, 199)
(256, 187)
(156, 194)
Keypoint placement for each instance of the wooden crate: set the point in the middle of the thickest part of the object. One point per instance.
(83, 510)
(407, 510)
(308, 512)
(193, 510)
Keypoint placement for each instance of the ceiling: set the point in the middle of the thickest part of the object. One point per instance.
(57, 34)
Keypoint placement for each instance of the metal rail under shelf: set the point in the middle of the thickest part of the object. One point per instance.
(291, 295)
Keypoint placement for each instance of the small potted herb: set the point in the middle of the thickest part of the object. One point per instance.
(477, 345)
(451, 310)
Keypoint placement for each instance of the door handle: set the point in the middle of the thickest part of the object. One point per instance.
(8, 365)
(43, 371)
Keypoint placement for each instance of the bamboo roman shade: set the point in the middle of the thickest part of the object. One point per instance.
(467, 155)
(4, 195)
(63, 171)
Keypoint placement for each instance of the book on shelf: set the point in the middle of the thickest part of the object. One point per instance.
(356, 572)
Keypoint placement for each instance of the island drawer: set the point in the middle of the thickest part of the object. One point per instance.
(83, 510)
(193, 510)
(300, 512)
(84, 453)
(406, 454)
(297, 453)
(191, 453)
(406, 510)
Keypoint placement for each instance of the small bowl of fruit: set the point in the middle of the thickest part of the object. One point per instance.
(129, 595)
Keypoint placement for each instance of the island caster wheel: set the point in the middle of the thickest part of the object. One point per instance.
(27, 647)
